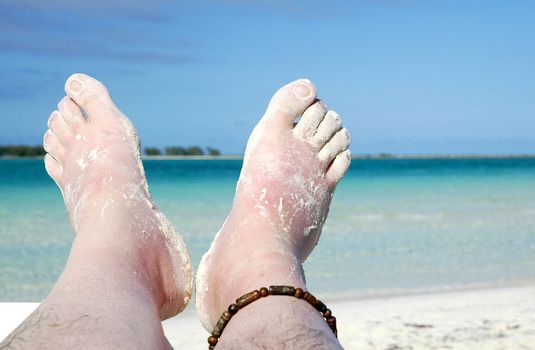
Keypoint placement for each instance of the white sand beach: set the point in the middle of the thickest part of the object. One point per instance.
(498, 318)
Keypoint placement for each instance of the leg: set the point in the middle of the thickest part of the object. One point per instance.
(282, 199)
(127, 269)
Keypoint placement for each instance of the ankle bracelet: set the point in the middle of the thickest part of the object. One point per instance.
(248, 298)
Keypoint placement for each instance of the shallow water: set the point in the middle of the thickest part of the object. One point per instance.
(395, 226)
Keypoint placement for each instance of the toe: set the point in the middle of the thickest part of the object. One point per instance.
(290, 102)
(91, 95)
(70, 111)
(52, 145)
(58, 126)
(338, 168)
(312, 117)
(53, 168)
(339, 143)
(327, 128)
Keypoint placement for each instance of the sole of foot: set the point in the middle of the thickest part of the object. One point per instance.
(289, 174)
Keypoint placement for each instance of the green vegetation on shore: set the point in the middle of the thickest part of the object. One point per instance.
(22, 151)
(181, 151)
(36, 151)
(15, 151)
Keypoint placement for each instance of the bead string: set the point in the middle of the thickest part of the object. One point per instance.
(248, 298)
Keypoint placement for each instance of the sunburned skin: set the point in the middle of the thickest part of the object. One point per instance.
(282, 200)
(93, 156)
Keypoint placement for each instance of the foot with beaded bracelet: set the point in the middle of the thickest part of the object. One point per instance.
(289, 174)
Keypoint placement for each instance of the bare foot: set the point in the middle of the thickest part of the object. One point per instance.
(281, 203)
(93, 156)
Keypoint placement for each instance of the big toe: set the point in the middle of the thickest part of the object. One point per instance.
(290, 101)
(90, 94)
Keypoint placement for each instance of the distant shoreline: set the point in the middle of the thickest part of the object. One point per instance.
(369, 156)
(381, 156)
(443, 156)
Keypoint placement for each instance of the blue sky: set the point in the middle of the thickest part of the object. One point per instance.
(407, 76)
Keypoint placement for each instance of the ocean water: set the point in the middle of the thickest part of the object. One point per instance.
(395, 226)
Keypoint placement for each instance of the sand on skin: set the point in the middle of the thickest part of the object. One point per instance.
(498, 318)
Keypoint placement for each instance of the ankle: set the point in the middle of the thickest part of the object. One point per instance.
(261, 269)
(302, 326)
(139, 266)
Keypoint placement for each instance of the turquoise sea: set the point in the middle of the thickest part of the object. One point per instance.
(395, 226)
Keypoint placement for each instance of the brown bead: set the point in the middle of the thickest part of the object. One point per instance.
(299, 293)
(281, 290)
(331, 321)
(221, 324)
(310, 299)
(321, 307)
(232, 309)
(264, 292)
(212, 340)
(248, 298)
(327, 313)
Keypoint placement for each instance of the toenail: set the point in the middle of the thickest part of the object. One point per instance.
(75, 85)
(302, 90)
